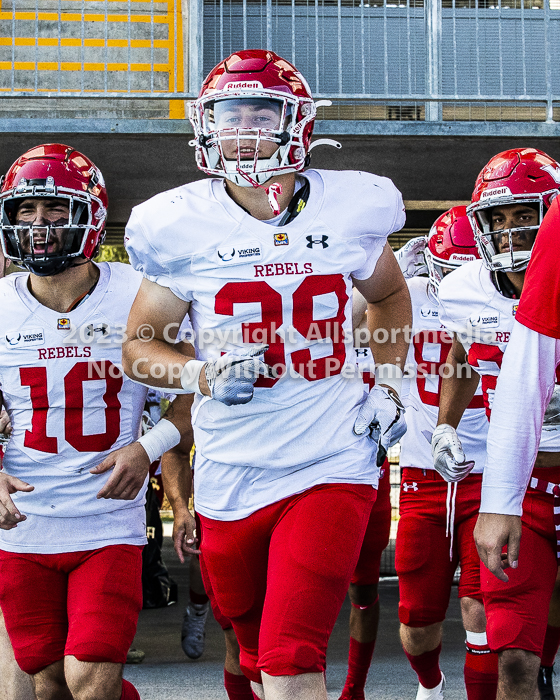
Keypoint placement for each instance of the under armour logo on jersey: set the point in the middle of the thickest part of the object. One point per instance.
(320, 240)
(363, 352)
(410, 487)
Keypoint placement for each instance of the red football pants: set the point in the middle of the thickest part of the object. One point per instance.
(82, 604)
(281, 575)
(423, 562)
(517, 611)
(377, 533)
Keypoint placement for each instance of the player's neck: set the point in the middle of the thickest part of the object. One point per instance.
(255, 200)
(517, 279)
(59, 292)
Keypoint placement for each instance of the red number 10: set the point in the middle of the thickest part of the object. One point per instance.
(36, 379)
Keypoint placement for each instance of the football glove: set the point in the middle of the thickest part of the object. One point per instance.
(411, 257)
(447, 452)
(381, 416)
(552, 413)
(231, 378)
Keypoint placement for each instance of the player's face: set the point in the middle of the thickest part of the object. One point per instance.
(514, 216)
(247, 116)
(42, 213)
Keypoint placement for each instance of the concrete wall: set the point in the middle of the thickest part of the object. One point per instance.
(427, 170)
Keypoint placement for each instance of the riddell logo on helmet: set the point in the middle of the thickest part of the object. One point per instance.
(496, 192)
(461, 257)
(245, 85)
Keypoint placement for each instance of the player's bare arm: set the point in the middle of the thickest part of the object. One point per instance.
(177, 483)
(389, 308)
(130, 464)
(389, 314)
(458, 386)
(157, 309)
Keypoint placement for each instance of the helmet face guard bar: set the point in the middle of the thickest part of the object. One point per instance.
(489, 241)
(294, 114)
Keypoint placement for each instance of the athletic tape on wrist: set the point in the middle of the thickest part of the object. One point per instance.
(162, 437)
(390, 375)
(190, 375)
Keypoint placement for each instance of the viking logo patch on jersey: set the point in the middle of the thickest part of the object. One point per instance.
(318, 240)
(249, 250)
(491, 320)
(281, 239)
(26, 338)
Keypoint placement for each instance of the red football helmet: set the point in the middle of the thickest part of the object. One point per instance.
(53, 171)
(450, 244)
(252, 99)
(517, 176)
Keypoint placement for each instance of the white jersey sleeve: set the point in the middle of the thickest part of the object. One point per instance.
(528, 370)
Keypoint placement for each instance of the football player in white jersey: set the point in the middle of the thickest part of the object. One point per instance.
(14, 683)
(263, 259)
(72, 521)
(478, 305)
(437, 520)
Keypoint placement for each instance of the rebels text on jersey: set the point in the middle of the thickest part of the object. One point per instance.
(483, 319)
(290, 287)
(69, 401)
(425, 369)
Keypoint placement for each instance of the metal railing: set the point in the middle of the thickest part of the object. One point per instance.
(406, 60)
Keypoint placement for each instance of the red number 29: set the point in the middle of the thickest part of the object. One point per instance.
(266, 329)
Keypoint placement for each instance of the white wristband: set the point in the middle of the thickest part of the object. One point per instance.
(190, 375)
(162, 437)
(390, 375)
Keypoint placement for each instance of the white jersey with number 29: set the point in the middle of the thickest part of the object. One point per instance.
(290, 287)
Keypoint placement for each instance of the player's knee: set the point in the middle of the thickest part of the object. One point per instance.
(417, 640)
(518, 667)
(93, 681)
(293, 659)
(362, 595)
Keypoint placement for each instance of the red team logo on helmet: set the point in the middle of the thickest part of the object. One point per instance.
(252, 99)
(518, 176)
(59, 172)
(450, 244)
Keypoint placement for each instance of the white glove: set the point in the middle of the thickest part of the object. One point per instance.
(552, 413)
(448, 455)
(231, 378)
(382, 416)
(411, 257)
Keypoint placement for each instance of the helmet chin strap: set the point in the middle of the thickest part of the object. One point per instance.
(273, 191)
